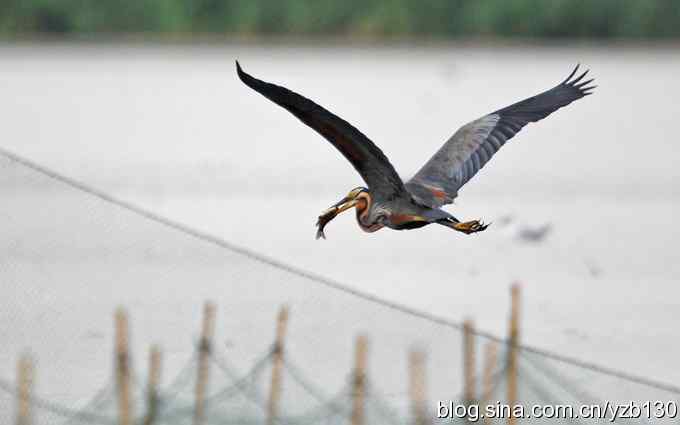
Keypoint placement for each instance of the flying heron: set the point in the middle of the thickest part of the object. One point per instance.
(388, 201)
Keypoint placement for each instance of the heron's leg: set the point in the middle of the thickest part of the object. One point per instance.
(467, 227)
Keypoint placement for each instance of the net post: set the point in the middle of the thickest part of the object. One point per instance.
(123, 368)
(277, 366)
(417, 387)
(512, 395)
(204, 352)
(359, 380)
(25, 383)
(489, 370)
(153, 384)
(469, 390)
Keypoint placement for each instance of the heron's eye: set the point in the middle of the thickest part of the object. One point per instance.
(354, 193)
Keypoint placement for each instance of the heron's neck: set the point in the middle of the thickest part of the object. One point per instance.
(363, 209)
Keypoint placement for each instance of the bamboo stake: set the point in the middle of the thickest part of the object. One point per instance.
(25, 381)
(359, 384)
(469, 390)
(154, 383)
(417, 387)
(489, 370)
(512, 355)
(277, 366)
(123, 368)
(205, 348)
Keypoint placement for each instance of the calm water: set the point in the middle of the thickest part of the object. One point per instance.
(172, 129)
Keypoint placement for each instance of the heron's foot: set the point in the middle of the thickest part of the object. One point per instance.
(468, 227)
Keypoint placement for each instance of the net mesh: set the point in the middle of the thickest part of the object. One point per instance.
(68, 257)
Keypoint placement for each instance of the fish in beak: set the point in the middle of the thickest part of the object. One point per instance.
(346, 203)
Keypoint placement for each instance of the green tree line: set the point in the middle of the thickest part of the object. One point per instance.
(374, 18)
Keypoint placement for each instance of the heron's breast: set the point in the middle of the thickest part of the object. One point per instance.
(370, 228)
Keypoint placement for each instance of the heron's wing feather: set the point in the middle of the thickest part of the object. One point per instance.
(365, 156)
(473, 145)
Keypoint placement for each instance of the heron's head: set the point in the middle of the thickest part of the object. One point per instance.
(358, 197)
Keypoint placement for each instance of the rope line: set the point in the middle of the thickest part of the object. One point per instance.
(542, 393)
(298, 376)
(104, 395)
(250, 392)
(65, 412)
(565, 384)
(330, 283)
(376, 400)
(180, 381)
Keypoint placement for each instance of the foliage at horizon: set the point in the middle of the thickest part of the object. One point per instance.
(375, 18)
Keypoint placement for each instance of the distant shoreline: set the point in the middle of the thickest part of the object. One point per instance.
(205, 39)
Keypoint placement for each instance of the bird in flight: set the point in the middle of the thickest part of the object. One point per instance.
(388, 201)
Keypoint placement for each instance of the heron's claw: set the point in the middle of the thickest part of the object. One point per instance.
(473, 226)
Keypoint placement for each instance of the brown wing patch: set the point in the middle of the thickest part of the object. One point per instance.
(438, 193)
(407, 221)
(399, 219)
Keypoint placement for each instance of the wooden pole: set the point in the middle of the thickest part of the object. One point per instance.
(25, 382)
(512, 354)
(417, 387)
(359, 384)
(204, 348)
(154, 383)
(123, 368)
(469, 390)
(277, 366)
(489, 370)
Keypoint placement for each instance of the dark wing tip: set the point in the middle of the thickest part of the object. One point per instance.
(572, 73)
(247, 79)
(255, 84)
(241, 73)
(576, 83)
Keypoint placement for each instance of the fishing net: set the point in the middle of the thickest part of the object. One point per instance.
(69, 256)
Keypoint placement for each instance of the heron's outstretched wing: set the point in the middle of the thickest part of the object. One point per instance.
(364, 155)
(473, 145)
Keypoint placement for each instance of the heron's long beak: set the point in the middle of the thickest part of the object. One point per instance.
(332, 212)
(345, 204)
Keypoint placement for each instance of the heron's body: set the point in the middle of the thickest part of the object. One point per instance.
(402, 213)
(388, 201)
